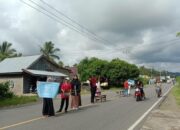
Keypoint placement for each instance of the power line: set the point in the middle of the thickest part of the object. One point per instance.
(67, 24)
(71, 26)
(72, 20)
(59, 20)
(47, 15)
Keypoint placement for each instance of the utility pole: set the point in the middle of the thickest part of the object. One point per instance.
(151, 72)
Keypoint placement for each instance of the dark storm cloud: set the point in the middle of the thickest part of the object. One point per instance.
(136, 31)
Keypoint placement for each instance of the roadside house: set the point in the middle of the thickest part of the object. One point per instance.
(24, 72)
(73, 71)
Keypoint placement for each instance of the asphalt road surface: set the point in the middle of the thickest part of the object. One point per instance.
(117, 113)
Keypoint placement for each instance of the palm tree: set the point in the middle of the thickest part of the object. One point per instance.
(49, 50)
(6, 51)
(61, 64)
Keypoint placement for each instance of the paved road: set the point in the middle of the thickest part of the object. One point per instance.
(118, 113)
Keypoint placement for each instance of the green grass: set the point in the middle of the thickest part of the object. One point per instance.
(17, 100)
(176, 91)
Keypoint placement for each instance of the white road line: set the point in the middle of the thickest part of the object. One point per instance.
(148, 111)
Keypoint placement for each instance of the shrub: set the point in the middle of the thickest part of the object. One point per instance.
(144, 80)
(5, 91)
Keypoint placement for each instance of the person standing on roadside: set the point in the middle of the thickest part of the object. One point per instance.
(65, 93)
(126, 86)
(48, 108)
(98, 90)
(158, 88)
(75, 92)
(93, 86)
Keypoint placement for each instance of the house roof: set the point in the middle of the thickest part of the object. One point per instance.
(44, 73)
(16, 64)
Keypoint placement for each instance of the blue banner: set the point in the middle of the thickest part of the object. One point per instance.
(47, 89)
(131, 82)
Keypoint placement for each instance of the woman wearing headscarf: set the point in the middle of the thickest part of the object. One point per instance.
(75, 92)
(48, 108)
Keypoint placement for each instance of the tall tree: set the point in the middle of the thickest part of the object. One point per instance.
(178, 34)
(49, 50)
(6, 51)
(61, 64)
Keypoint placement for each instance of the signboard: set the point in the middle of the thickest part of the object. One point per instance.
(47, 89)
(131, 82)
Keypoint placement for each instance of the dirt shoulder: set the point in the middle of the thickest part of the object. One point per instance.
(170, 104)
(166, 117)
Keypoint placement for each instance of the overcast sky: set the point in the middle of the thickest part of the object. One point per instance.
(138, 31)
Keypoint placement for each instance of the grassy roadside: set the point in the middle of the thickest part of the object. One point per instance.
(17, 100)
(176, 91)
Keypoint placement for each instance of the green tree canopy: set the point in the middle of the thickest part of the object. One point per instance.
(6, 51)
(119, 70)
(61, 64)
(93, 66)
(148, 71)
(178, 34)
(116, 71)
(50, 51)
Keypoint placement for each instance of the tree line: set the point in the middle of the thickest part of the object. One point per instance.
(116, 70)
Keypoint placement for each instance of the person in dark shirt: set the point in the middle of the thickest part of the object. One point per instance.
(48, 108)
(93, 86)
(75, 92)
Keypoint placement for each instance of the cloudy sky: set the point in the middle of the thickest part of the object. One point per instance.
(138, 31)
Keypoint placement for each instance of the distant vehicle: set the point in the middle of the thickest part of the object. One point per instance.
(104, 85)
(85, 85)
(169, 81)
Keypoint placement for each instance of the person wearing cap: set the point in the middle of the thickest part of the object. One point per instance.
(65, 92)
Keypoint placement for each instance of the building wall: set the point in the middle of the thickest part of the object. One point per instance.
(16, 83)
(27, 85)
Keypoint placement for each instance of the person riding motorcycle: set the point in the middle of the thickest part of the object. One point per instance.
(158, 88)
(141, 87)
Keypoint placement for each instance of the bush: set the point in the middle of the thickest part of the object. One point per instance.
(144, 80)
(5, 91)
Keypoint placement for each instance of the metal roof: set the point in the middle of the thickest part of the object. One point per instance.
(44, 73)
(16, 64)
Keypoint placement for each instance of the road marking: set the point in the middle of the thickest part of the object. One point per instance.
(42, 117)
(21, 123)
(35, 119)
(148, 111)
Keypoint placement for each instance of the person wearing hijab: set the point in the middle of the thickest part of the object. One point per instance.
(48, 107)
(75, 92)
